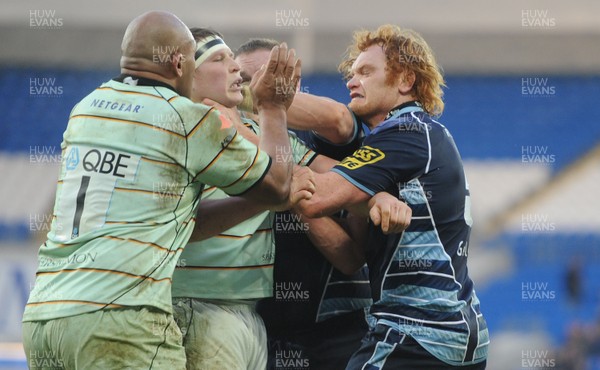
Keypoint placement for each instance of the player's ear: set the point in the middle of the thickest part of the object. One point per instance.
(406, 81)
(177, 61)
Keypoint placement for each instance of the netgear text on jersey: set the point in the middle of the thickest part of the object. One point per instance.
(122, 107)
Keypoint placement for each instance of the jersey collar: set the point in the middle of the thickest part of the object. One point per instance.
(141, 81)
(410, 106)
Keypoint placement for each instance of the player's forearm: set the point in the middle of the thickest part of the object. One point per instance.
(274, 140)
(342, 250)
(330, 119)
(322, 164)
(318, 206)
(215, 216)
(331, 195)
(323, 204)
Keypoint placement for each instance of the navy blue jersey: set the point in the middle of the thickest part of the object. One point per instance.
(419, 278)
(336, 151)
(307, 289)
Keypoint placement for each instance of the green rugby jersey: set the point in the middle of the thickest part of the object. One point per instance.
(136, 157)
(238, 263)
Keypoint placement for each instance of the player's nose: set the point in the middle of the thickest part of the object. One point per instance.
(235, 67)
(352, 83)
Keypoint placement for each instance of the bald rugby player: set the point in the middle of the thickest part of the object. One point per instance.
(137, 154)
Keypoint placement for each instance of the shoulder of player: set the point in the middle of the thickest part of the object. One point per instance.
(151, 91)
(408, 123)
(251, 124)
(192, 113)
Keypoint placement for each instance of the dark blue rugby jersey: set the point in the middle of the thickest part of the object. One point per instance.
(419, 278)
(307, 289)
(335, 151)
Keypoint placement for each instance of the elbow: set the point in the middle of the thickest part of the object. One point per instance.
(281, 195)
(276, 185)
(270, 194)
(276, 193)
(343, 129)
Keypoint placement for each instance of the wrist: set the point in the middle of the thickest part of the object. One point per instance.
(272, 115)
(270, 106)
(371, 202)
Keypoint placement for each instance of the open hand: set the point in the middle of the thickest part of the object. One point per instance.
(275, 83)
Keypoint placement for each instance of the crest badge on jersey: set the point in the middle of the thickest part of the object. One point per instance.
(73, 159)
(363, 156)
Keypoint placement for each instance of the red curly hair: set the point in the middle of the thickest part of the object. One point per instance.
(405, 51)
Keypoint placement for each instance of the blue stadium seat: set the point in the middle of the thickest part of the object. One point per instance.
(488, 116)
(535, 295)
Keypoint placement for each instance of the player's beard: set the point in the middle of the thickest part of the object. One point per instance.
(361, 108)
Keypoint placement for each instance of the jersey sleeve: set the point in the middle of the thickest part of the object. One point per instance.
(337, 151)
(223, 158)
(386, 158)
(302, 154)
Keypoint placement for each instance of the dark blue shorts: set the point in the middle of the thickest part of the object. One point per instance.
(327, 345)
(385, 348)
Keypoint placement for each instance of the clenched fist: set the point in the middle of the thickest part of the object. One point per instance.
(302, 187)
(391, 213)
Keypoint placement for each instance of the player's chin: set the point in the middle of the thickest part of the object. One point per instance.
(357, 106)
(236, 99)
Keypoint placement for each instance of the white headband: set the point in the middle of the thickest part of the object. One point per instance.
(207, 47)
